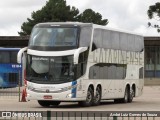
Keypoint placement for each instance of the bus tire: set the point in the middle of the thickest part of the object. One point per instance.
(44, 103)
(89, 99)
(131, 95)
(97, 97)
(126, 96)
(55, 103)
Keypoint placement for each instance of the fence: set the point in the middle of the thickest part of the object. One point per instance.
(79, 115)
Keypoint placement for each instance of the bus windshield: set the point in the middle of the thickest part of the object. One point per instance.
(54, 36)
(50, 70)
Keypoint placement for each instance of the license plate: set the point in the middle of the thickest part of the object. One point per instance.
(47, 97)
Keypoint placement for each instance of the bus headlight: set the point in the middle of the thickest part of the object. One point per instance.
(65, 88)
(68, 88)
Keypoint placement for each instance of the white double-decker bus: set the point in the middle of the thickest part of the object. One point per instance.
(84, 63)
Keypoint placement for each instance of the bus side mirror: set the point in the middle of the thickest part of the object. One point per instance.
(77, 52)
(20, 53)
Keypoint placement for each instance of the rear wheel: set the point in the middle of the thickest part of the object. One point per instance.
(97, 97)
(131, 95)
(89, 98)
(126, 96)
(44, 103)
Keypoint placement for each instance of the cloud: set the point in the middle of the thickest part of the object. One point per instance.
(81, 5)
(130, 15)
(143, 30)
(21, 3)
(14, 13)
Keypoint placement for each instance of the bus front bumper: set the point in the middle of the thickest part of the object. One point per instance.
(63, 96)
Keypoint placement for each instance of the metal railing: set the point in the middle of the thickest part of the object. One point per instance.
(72, 115)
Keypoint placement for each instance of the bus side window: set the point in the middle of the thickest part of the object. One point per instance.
(107, 71)
(4, 57)
(13, 57)
(82, 63)
(141, 73)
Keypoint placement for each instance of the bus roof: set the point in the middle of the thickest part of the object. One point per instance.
(116, 30)
(66, 23)
(86, 25)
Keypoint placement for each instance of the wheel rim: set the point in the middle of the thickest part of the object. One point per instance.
(89, 97)
(97, 97)
(132, 93)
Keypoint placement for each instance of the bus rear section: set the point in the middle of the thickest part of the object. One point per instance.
(82, 62)
(10, 71)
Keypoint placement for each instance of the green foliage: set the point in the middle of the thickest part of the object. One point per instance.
(154, 13)
(58, 11)
(91, 17)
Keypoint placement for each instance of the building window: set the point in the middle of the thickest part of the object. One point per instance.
(152, 61)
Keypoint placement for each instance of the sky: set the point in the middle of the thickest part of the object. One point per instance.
(130, 15)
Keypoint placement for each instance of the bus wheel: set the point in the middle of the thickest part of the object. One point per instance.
(44, 103)
(97, 97)
(126, 96)
(89, 99)
(55, 103)
(131, 95)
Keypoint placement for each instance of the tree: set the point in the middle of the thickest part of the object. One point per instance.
(58, 11)
(154, 13)
(90, 16)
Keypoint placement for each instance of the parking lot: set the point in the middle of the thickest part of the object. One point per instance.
(149, 101)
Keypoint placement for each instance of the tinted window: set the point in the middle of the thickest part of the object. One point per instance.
(4, 57)
(97, 38)
(85, 36)
(107, 39)
(107, 71)
(141, 73)
(117, 40)
(50, 69)
(82, 63)
(13, 57)
(52, 37)
(123, 42)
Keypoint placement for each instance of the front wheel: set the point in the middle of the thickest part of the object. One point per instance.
(89, 99)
